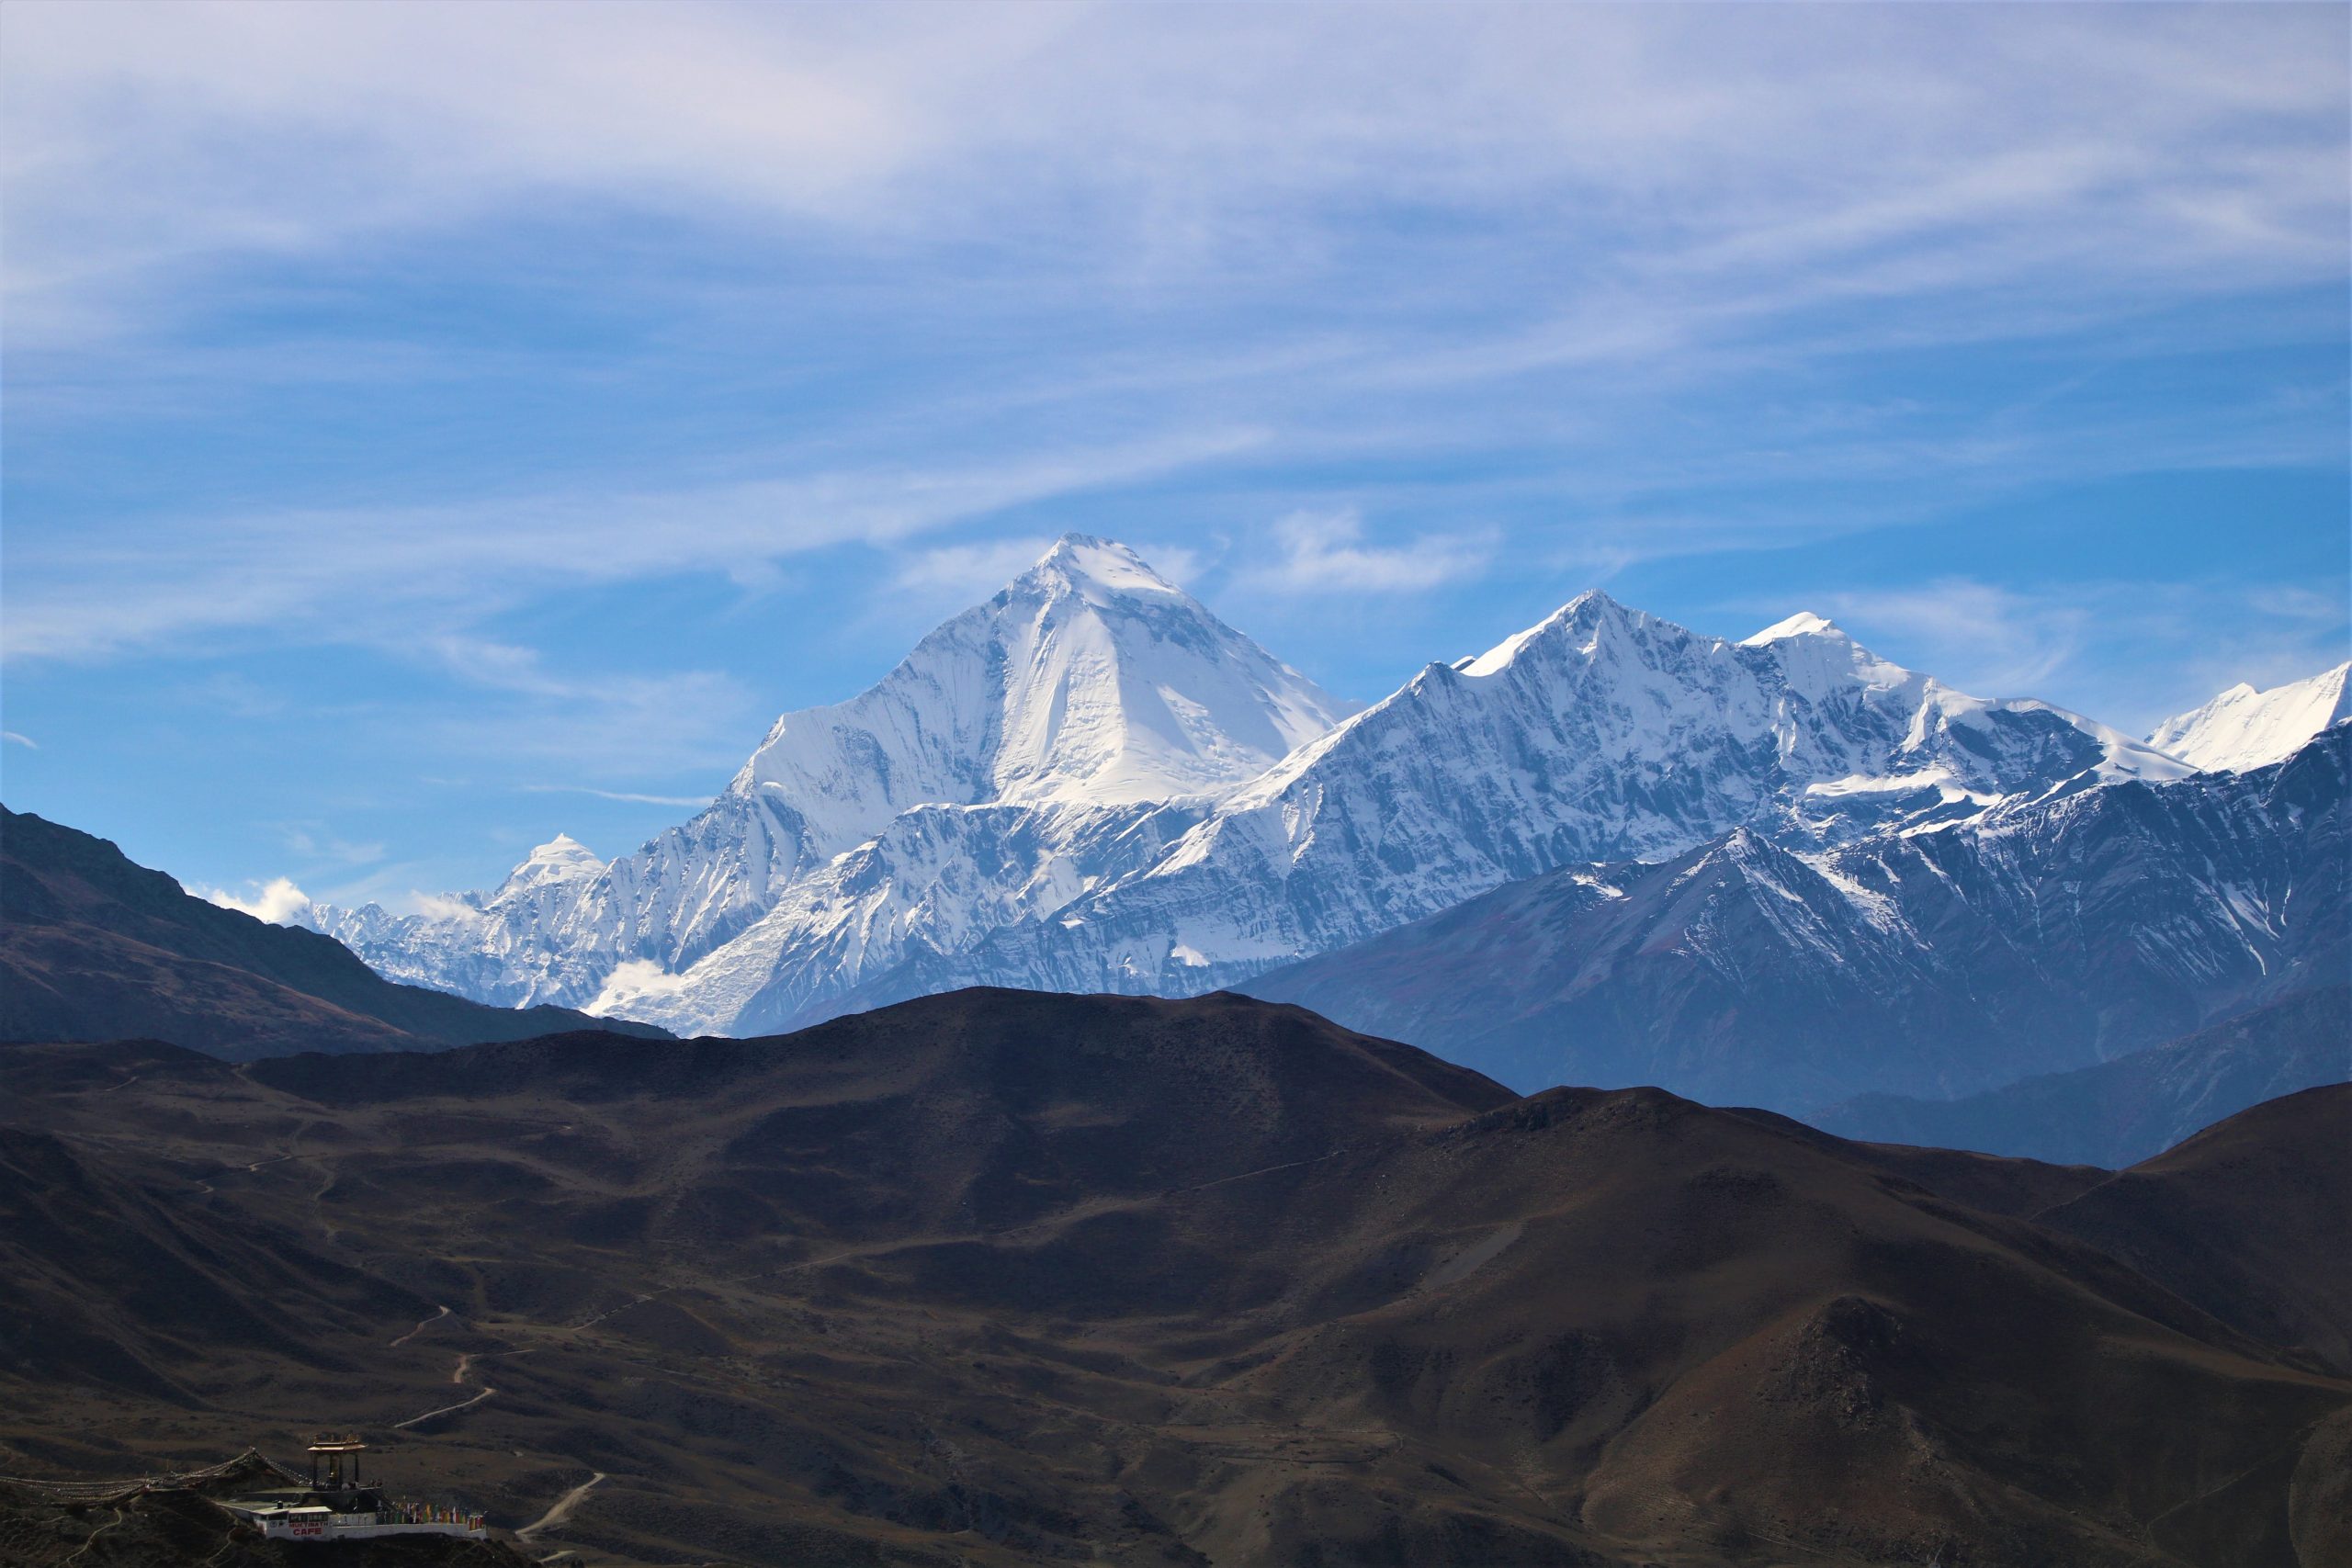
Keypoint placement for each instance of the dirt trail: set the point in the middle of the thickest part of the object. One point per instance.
(440, 1312)
(444, 1410)
(458, 1375)
(561, 1511)
(118, 1516)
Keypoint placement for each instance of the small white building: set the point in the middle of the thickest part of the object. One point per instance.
(338, 1507)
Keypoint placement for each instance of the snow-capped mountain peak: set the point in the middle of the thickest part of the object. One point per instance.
(1088, 684)
(2245, 728)
(1583, 623)
(1817, 656)
(1098, 569)
(1088, 679)
(1090, 782)
(1804, 623)
(561, 859)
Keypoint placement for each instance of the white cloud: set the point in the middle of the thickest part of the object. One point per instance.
(279, 901)
(633, 982)
(1640, 196)
(434, 906)
(1326, 553)
(12, 738)
(966, 574)
(1719, 141)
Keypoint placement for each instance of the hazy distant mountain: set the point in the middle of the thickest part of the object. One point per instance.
(2037, 937)
(2134, 1107)
(1015, 1278)
(92, 947)
(2246, 728)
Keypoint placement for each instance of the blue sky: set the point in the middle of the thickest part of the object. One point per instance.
(429, 427)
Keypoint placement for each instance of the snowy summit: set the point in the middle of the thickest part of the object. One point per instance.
(2245, 728)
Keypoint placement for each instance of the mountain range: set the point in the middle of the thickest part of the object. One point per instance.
(2037, 937)
(999, 1278)
(1091, 783)
(94, 947)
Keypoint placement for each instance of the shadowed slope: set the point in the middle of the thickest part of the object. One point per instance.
(2245, 1219)
(999, 1278)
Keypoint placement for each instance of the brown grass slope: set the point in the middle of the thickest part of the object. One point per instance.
(94, 947)
(1001, 1278)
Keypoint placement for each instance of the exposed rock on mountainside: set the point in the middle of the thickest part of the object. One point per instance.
(2039, 936)
(1001, 1278)
(92, 947)
(2245, 729)
(2136, 1106)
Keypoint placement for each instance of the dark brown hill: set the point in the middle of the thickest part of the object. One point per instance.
(94, 947)
(998, 1278)
(2227, 1220)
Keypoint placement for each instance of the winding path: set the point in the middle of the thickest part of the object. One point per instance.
(440, 1312)
(561, 1511)
(458, 1375)
(444, 1410)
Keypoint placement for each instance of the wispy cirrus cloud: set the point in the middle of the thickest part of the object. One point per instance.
(1985, 639)
(399, 363)
(878, 117)
(1327, 553)
(426, 574)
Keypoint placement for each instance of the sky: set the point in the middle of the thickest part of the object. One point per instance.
(424, 428)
